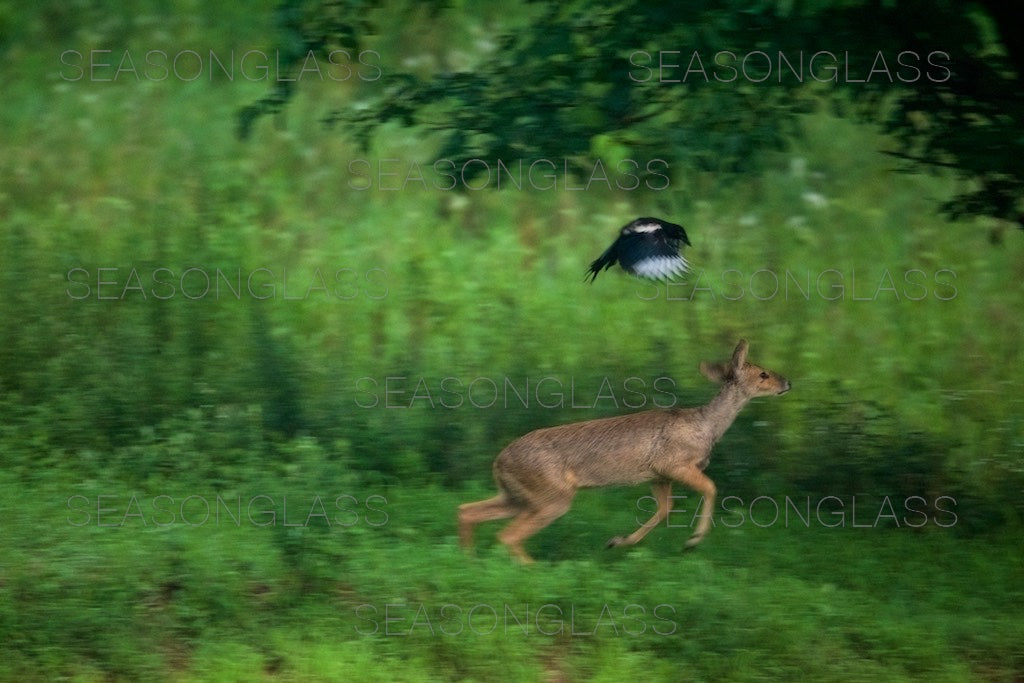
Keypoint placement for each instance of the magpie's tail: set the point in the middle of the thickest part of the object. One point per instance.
(602, 262)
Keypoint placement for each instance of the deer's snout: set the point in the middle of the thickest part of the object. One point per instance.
(785, 386)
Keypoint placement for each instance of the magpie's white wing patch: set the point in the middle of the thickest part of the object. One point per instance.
(661, 267)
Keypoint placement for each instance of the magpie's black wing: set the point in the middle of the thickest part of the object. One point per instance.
(647, 247)
(650, 249)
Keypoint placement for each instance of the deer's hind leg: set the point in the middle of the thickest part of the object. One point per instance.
(545, 497)
(529, 522)
(471, 514)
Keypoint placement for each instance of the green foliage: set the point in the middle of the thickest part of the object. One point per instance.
(424, 356)
(672, 83)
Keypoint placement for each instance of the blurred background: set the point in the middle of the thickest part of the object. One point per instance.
(280, 280)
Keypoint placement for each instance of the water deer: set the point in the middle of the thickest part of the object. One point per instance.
(539, 473)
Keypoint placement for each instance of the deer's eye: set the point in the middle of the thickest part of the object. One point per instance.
(764, 375)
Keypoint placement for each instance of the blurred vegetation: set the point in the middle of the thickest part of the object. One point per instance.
(612, 78)
(122, 377)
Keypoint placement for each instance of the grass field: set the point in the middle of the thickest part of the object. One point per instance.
(242, 399)
(377, 589)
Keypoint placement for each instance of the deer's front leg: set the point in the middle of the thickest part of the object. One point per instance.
(663, 496)
(691, 477)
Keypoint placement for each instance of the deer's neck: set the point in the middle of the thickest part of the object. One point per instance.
(719, 414)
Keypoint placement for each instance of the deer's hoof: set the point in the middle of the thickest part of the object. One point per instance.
(615, 541)
(692, 543)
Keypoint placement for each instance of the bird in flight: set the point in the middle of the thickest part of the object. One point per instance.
(648, 248)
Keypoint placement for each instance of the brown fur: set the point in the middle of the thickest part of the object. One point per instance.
(538, 473)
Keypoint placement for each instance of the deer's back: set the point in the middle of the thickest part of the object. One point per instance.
(613, 450)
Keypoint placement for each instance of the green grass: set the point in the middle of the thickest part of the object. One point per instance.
(397, 599)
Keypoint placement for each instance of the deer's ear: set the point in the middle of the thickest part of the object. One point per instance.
(716, 372)
(739, 356)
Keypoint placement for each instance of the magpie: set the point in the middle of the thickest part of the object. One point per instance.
(648, 248)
